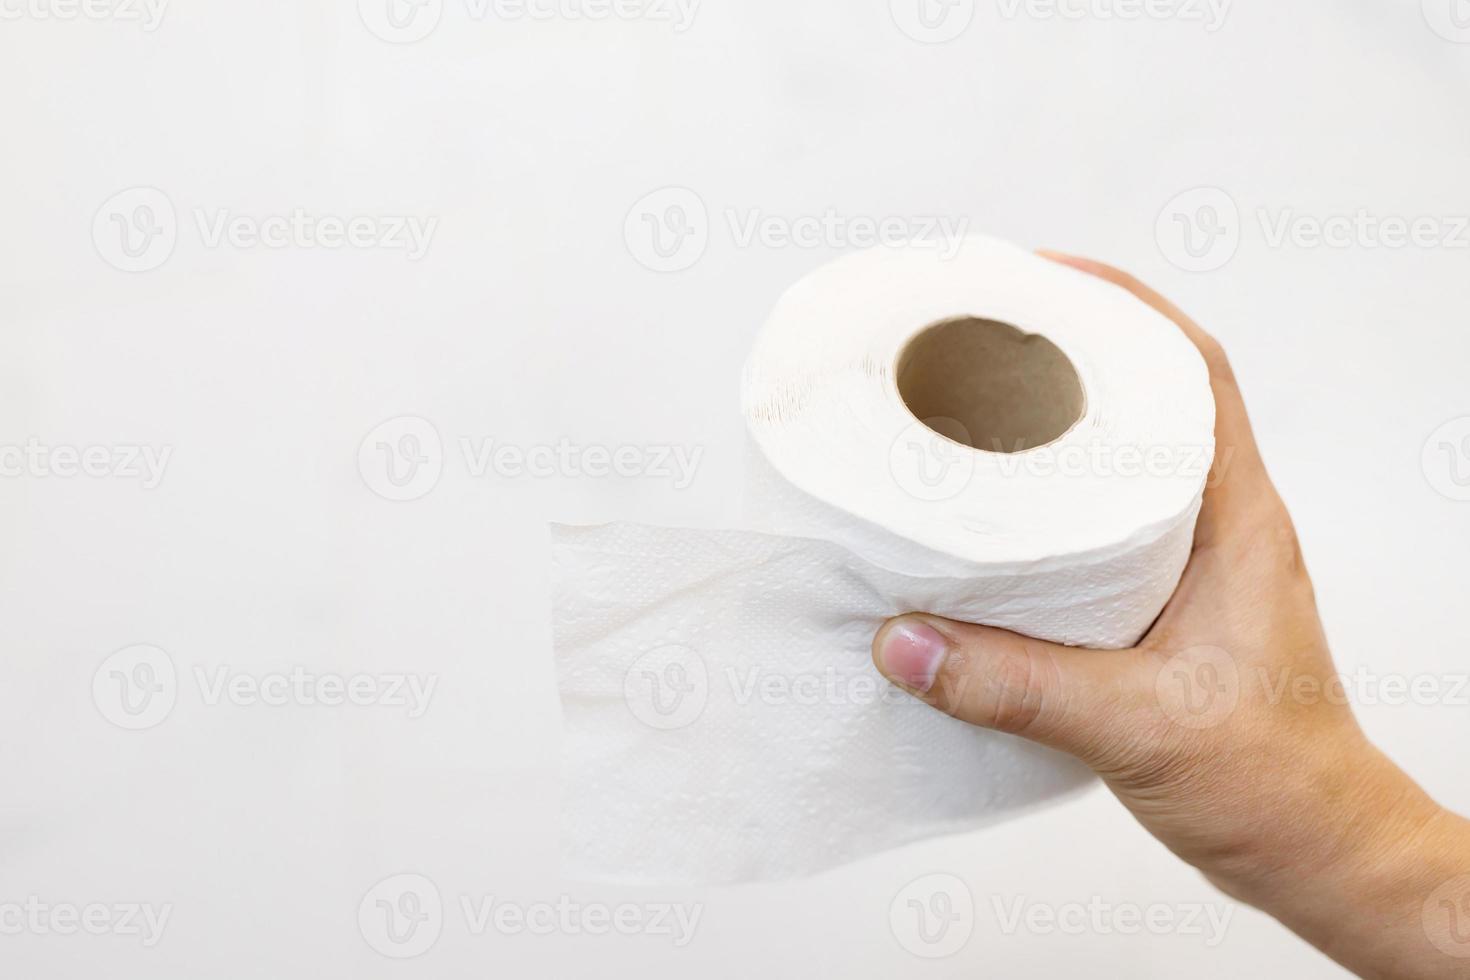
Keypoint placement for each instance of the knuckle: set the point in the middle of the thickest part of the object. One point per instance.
(952, 687)
(1278, 540)
(1012, 690)
(1273, 547)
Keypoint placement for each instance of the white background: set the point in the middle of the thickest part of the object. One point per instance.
(530, 321)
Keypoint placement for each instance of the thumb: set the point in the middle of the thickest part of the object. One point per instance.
(1065, 697)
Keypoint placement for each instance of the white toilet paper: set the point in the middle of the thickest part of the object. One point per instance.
(991, 437)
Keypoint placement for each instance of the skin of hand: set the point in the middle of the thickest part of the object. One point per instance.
(1217, 732)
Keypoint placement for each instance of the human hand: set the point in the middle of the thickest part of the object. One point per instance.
(1280, 800)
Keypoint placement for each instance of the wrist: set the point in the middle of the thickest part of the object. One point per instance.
(1357, 886)
(1345, 828)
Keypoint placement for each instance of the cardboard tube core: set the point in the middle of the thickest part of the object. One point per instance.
(990, 386)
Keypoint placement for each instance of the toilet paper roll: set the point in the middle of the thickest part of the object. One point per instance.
(991, 437)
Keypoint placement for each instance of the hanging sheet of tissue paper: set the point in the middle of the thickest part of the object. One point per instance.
(990, 437)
